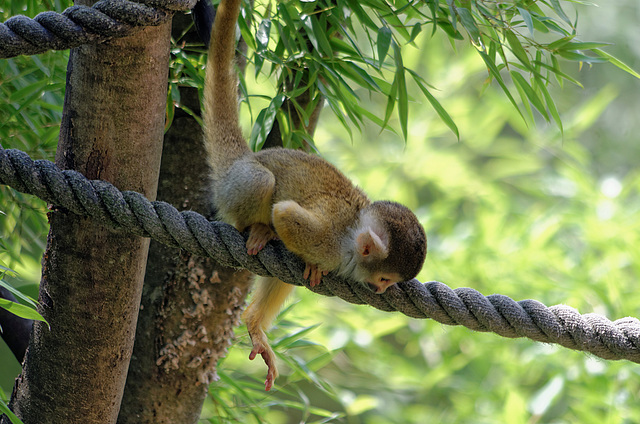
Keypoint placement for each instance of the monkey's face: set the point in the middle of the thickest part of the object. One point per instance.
(379, 282)
(403, 238)
(369, 273)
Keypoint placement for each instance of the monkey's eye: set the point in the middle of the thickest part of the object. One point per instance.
(384, 280)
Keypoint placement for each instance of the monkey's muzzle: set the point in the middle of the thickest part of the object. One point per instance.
(376, 289)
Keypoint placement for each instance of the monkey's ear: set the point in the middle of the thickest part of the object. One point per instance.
(370, 246)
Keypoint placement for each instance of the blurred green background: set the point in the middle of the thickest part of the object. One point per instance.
(528, 212)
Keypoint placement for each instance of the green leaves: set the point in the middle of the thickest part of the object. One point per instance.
(321, 43)
(20, 310)
(383, 42)
(616, 62)
(401, 90)
(4, 409)
(346, 48)
(493, 28)
(264, 122)
(493, 70)
(23, 311)
(469, 24)
(442, 113)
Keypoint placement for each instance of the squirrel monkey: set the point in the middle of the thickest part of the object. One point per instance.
(298, 198)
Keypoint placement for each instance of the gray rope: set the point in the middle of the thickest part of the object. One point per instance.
(79, 25)
(130, 211)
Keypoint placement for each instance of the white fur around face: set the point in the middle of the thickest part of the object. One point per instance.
(367, 229)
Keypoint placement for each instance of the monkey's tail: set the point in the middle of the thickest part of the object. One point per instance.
(223, 136)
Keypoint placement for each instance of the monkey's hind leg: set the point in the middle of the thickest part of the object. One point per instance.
(244, 198)
(268, 297)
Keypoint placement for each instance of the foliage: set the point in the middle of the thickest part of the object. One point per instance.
(342, 51)
(31, 96)
(528, 221)
(546, 212)
(328, 50)
(27, 311)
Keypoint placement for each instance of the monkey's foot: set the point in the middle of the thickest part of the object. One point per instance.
(314, 274)
(259, 235)
(261, 346)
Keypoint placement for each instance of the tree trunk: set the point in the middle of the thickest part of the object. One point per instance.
(92, 278)
(190, 304)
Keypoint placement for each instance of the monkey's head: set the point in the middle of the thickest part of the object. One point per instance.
(389, 245)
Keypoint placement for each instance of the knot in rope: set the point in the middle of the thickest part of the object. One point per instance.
(79, 25)
(130, 211)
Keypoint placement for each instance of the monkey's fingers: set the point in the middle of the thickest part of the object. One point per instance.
(311, 272)
(314, 274)
(259, 235)
(272, 373)
(269, 359)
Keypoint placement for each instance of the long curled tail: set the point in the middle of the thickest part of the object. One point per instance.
(223, 136)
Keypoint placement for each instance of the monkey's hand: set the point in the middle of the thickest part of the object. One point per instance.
(259, 235)
(314, 274)
(261, 346)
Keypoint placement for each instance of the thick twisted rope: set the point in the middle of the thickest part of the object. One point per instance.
(79, 25)
(130, 211)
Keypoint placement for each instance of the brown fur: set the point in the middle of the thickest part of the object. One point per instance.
(221, 128)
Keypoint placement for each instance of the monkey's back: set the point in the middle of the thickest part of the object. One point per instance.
(313, 183)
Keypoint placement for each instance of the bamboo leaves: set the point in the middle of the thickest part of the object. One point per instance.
(348, 49)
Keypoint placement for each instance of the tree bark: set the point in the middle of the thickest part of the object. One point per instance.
(92, 278)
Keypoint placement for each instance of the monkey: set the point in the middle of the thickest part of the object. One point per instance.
(298, 198)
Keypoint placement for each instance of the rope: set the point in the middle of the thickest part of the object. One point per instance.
(130, 211)
(79, 25)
